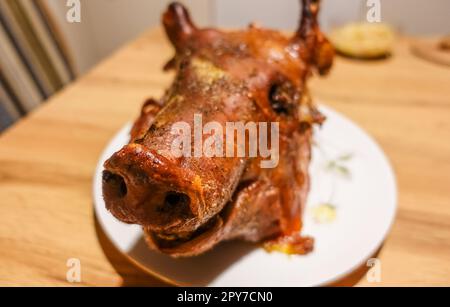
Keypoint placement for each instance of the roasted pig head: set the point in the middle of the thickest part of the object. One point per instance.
(187, 204)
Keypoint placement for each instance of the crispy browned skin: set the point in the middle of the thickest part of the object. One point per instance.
(187, 205)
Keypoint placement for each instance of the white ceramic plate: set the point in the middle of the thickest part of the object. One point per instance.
(351, 207)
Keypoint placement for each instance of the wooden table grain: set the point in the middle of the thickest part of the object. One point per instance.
(47, 162)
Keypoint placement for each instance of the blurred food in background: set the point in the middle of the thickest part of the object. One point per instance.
(363, 40)
(436, 50)
(445, 43)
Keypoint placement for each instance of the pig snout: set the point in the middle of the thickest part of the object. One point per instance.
(143, 187)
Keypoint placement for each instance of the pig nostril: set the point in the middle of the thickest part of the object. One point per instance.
(115, 184)
(176, 203)
(174, 198)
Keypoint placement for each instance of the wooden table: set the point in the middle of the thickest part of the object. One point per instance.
(47, 162)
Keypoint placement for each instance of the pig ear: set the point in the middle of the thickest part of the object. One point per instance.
(178, 25)
(311, 43)
(308, 20)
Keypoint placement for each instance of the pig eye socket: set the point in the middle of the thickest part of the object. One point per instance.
(282, 98)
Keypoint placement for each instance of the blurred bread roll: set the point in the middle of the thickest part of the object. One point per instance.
(363, 40)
